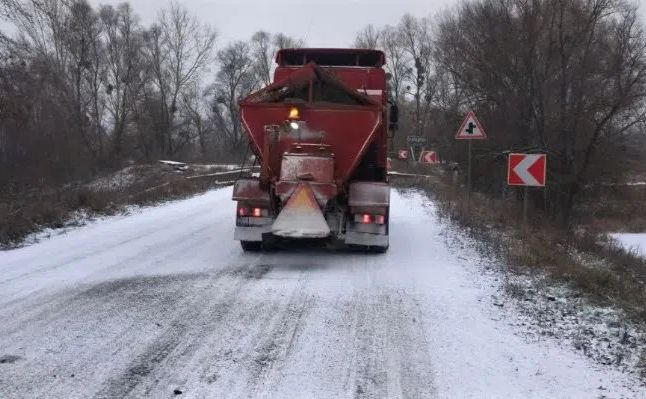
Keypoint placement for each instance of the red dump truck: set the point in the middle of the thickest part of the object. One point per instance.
(320, 134)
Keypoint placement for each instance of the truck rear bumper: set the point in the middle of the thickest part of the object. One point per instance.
(356, 238)
(250, 233)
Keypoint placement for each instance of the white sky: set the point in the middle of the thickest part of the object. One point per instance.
(325, 23)
(321, 23)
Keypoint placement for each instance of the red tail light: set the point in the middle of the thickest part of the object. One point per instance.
(242, 212)
(366, 218)
(257, 212)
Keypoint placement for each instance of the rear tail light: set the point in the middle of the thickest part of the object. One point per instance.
(366, 218)
(252, 212)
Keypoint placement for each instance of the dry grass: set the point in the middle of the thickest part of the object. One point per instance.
(614, 208)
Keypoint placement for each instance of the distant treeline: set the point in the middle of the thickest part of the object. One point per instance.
(83, 90)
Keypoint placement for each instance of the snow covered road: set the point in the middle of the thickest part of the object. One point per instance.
(163, 303)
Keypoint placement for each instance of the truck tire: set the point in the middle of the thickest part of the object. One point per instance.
(379, 250)
(368, 249)
(251, 246)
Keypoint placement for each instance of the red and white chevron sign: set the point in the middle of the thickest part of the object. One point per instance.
(428, 157)
(527, 170)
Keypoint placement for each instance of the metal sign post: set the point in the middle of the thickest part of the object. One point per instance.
(527, 170)
(471, 129)
(416, 142)
(469, 174)
(525, 203)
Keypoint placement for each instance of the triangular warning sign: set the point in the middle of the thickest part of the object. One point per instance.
(471, 129)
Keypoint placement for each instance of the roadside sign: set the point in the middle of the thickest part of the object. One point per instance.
(389, 164)
(416, 140)
(527, 170)
(428, 157)
(471, 129)
(403, 154)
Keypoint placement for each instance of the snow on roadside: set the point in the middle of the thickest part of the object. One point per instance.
(79, 218)
(556, 312)
(541, 310)
(631, 242)
(490, 352)
(216, 167)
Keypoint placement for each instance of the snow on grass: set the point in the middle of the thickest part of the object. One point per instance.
(634, 242)
(556, 312)
(117, 181)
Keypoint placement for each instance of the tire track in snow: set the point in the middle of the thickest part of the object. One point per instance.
(198, 317)
(391, 358)
(79, 330)
(276, 343)
(147, 257)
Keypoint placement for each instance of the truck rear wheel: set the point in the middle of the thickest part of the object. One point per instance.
(251, 246)
(379, 250)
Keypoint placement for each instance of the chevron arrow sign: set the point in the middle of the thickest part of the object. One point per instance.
(527, 170)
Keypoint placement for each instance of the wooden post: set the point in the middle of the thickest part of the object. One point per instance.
(525, 203)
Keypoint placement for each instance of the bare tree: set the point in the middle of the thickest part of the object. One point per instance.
(180, 48)
(397, 62)
(194, 105)
(84, 49)
(263, 51)
(125, 70)
(282, 41)
(234, 80)
(369, 38)
(415, 40)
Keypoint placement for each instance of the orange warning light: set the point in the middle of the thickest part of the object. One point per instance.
(294, 113)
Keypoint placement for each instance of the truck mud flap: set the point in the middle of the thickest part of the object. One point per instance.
(250, 233)
(366, 239)
(301, 217)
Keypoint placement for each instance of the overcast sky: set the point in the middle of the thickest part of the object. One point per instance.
(330, 23)
(321, 23)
